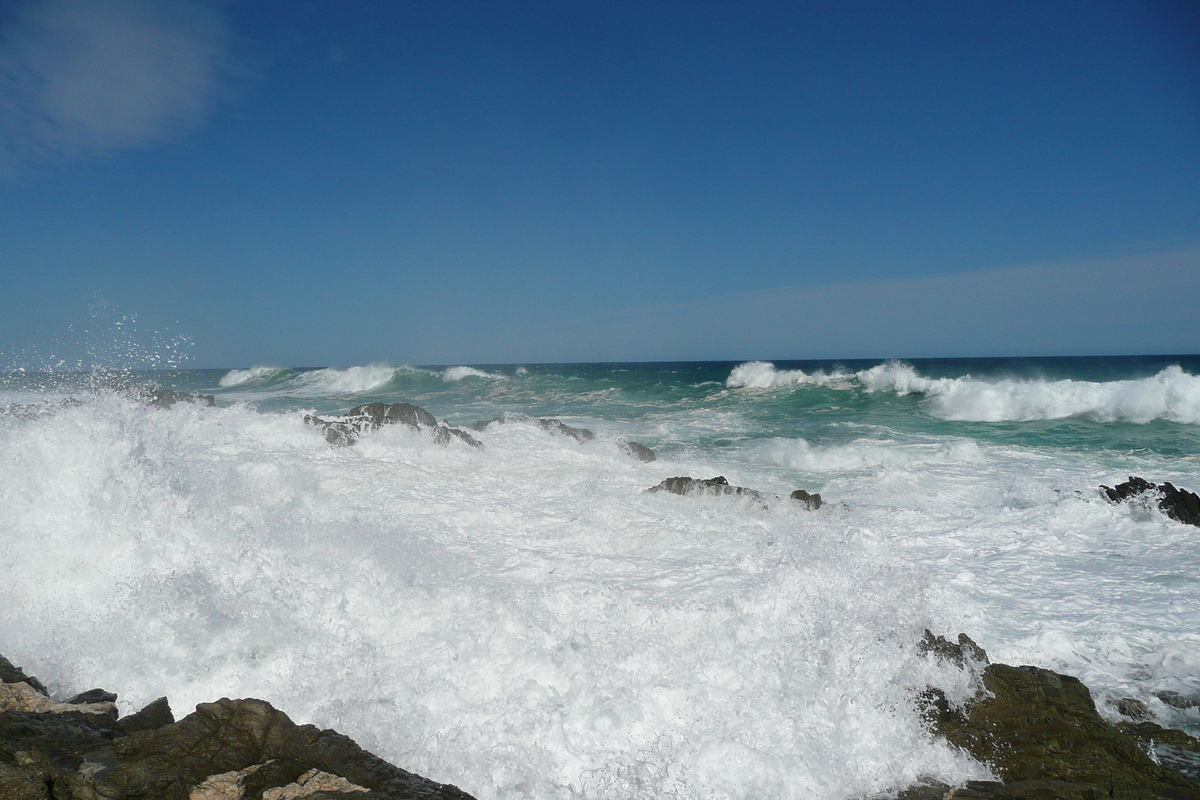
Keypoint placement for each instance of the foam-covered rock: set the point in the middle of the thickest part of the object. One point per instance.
(1040, 734)
(1178, 504)
(346, 430)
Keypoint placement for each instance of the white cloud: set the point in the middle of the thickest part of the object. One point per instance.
(81, 79)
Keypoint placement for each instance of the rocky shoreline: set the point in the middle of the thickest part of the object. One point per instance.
(228, 750)
(1037, 731)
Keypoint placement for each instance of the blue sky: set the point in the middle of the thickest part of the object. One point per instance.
(438, 182)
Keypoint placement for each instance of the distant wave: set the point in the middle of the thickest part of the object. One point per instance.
(254, 375)
(348, 380)
(455, 374)
(1172, 394)
(764, 375)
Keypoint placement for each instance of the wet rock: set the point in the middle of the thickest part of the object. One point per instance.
(93, 696)
(13, 674)
(634, 449)
(1132, 708)
(1178, 504)
(228, 750)
(560, 427)
(720, 486)
(715, 486)
(811, 501)
(1177, 700)
(962, 654)
(1040, 734)
(638, 451)
(154, 716)
(344, 431)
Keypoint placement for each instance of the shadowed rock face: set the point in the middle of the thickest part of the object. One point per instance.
(345, 431)
(227, 750)
(1178, 504)
(1040, 734)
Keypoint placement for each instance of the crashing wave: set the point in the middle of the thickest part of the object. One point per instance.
(455, 374)
(1172, 395)
(764, 375)
(252, 376)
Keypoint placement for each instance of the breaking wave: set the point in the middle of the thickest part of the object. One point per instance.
(1171, 395)
(764, 375)
(455, 374)
(347, 380)
(865, 454)
(254, 376)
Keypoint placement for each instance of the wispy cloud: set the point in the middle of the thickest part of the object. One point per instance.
(81, 79)
(1137, 303)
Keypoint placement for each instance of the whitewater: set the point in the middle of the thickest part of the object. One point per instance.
(524, 620)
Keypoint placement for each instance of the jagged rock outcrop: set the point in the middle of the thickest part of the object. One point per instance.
(227, 750)
(638, 451)
(720, 486)
(634, 449)
(345, 430)
(1039, 732)
(1178, 504)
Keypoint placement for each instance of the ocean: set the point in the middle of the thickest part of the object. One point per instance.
(525, 620)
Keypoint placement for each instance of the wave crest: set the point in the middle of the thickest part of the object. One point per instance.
(253, 375)
(764, 375)
(347, 380)
(455, 374)
(1172, 395)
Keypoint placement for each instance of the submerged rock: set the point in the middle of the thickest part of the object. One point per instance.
(638, 451)
(634, 449)
(227, 750)
(1178, 504)
(720, 486)
(1040, 734)
(344, 431)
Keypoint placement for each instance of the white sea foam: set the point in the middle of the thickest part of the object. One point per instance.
(1172, 395)
(525, 621)
(865, 454)
(251, 376)
(455, 374)
(764, 375)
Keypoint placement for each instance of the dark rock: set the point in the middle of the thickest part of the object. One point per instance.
(1177, 700)
(560, 427)
(718, 485)
(961, 655)
(154, 716)
(13, 674)
(93, 696)
(1132, 708)
(346, 430)
(638, 451)
(1178, 504)
(810, 501)
(231, 748)
(1040, 733)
